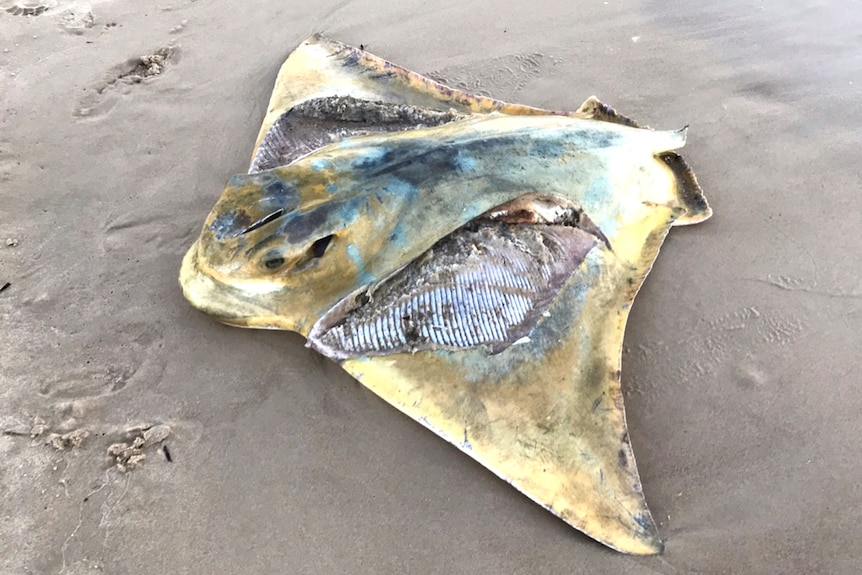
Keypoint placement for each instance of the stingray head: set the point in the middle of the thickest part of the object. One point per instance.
(277, 254)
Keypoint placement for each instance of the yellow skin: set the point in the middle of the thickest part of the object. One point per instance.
(547, 416)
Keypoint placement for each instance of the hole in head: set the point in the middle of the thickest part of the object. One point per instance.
(318, 248)
(262, 222)
(313, 254)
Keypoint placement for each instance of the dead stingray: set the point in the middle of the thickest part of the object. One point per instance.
(470, 261)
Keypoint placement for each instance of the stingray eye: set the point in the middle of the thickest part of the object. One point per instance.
(273, 262)
(318, 248)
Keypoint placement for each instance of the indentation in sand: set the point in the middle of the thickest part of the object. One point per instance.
(94, 371)
(502, 77)
(28, 8)
(719, 346)
(150, 231)
(104, 94)
(76, 17)
(9, 161)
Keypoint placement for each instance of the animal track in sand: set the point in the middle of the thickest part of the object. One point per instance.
(17, 10)
(25, 8)
(718, 349)
(9, 160)
(76, 479)
(505, 76)
(158, 231)
(76, 16)
(103, 95)
(99, 368)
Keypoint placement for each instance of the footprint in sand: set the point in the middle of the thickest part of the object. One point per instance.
(104, 94)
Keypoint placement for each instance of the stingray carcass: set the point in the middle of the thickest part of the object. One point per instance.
(471, 261)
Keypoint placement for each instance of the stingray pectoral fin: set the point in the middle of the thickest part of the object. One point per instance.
(564, 448)
(547, 415)
(320, 68)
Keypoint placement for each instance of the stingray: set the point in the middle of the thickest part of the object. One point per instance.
(471, 261)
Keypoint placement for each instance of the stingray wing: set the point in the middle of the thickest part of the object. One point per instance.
(322, 68)
(506, 343)
(547, 415)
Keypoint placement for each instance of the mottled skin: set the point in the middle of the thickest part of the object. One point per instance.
(547, 415)
(386, 199)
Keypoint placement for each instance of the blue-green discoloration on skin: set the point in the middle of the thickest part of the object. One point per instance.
(321, 220)
(279, 194)
(356, 257)
(596, 194)
(544, 148)
(415, 190)
(369, 158)
(464, 162)
(405, 191)
(589, 271)
(397, 237)
(228, 223)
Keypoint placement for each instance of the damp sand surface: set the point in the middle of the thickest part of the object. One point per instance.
(139, 436)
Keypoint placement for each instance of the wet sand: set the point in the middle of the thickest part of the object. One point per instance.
(741, 357)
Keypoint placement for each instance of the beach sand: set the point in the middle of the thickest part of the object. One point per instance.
(741, 360)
